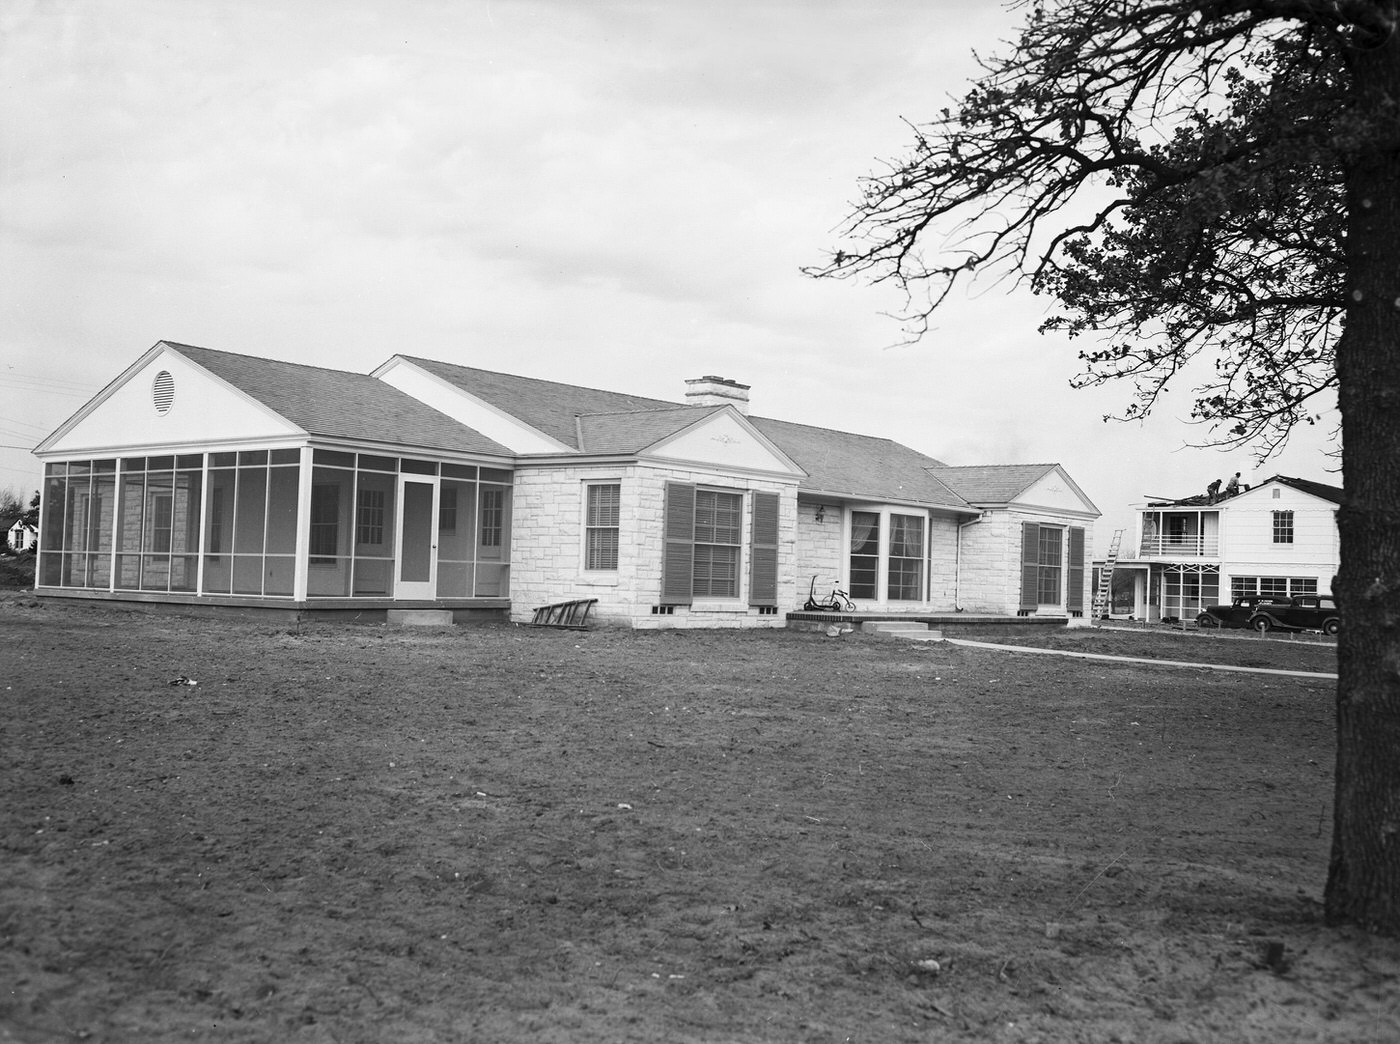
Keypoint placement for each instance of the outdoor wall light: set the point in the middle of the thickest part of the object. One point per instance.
(821, 513)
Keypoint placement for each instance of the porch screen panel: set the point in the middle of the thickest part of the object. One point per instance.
(131, 509)
(1074, 593)
(77, 522)
(456, 526)
(328, 566)
(283, 500)
(51, 507)
(493, 536)
(763, 550)
(101, 520)
(218, 531)
(249, 530)
(679, 537)
(375, 508)
(1030, 566)
(77, 516)
(865, 554)
(185, 506)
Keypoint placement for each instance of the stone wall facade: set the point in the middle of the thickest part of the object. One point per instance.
(549, 520)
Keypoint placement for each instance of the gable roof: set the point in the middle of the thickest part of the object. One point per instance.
(1316, 489)
(630, 432)
(860, 466)
(339, 404)
(993, 483)
(547, 406)
(592, 420)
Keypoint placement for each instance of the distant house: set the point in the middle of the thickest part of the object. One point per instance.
(1277, 538)
(21, 535)
(205, 476)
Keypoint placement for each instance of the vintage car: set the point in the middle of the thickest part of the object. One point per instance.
(1302, 613)
(1237, 613)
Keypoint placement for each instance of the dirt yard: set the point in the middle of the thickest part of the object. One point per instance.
(258, 832)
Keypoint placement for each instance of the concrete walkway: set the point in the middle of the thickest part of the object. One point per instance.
(1141, 659)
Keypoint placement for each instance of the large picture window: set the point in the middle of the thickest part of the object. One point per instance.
(602, 526)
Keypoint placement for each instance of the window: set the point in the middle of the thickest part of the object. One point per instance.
(865, 554)
(162, 521)
(1283, 527)
(906, 568)
(492, 504)
(369, 517)
(1052, 567)
(1051, 551)
(718, 525)
(703, 532)
(1281, 587)
(602, 526)
(325, 523)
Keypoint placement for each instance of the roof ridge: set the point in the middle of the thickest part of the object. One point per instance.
(178, 345)
(538, 380)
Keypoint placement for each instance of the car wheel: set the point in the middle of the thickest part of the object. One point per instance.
(1206, 620)
(1262, 624)
(1331, 626)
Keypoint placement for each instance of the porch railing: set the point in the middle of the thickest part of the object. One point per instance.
(1180, 546)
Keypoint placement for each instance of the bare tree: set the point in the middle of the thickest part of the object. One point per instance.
(1203, 182)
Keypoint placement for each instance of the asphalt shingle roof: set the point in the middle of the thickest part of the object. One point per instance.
(338, 404)
(548, 406)
(859, 465)
(992, 483)
(592, 420)
(631, 432)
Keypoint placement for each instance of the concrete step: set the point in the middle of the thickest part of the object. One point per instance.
(910, 629)
(420, 617)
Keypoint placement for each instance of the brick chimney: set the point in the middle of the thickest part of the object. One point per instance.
(717, 391)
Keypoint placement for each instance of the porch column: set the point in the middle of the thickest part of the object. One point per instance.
(303, 559)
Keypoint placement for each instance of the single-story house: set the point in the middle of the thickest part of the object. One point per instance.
(21, 535)
(210, 477)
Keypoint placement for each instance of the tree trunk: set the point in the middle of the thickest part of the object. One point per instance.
(1363, 883)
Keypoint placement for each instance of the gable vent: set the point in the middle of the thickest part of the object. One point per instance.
(163, 392)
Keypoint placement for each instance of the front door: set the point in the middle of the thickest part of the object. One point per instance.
(417, 562)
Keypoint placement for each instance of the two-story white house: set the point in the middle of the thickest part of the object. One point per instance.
(1278, 537)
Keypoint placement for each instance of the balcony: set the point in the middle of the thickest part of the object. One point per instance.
(1180, 545)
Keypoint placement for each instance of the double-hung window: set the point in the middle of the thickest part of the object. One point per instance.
(1283, 527)
(705, 550)
(719, 522)
(602, 526)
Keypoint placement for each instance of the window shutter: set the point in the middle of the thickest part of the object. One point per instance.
(1074, 592)
(763, 550)
(1030, 565)
(678, 552)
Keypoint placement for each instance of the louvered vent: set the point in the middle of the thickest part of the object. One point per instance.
(163, 392)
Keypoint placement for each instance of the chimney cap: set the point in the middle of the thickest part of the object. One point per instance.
(711, 379)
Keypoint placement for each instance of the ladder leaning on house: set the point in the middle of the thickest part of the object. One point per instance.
(1104, 595)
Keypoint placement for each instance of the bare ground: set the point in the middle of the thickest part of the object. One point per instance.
(359, 834)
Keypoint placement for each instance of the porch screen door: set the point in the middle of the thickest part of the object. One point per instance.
(417, 567)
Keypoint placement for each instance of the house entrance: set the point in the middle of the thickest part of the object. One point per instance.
(417, 563)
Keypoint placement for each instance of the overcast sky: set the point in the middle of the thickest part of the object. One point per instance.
(614, 194)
